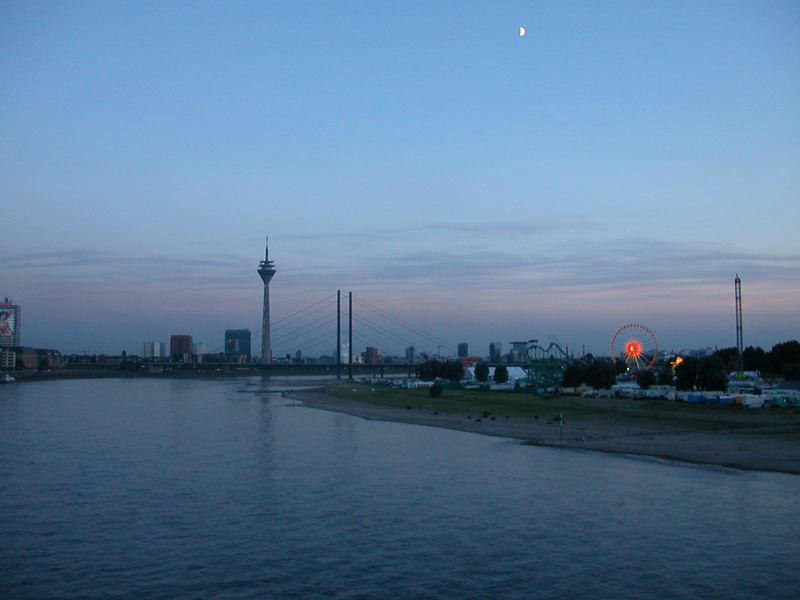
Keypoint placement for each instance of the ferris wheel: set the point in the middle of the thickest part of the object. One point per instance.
(636, 345)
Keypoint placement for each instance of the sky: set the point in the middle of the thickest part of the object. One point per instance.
(619, 163)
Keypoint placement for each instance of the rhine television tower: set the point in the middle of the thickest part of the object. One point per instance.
(266, 268)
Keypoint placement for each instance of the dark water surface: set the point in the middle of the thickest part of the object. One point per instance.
(187, 489)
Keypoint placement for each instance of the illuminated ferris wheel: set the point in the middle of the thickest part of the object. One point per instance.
(636, 345)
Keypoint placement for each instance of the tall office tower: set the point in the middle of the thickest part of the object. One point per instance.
(10, 314)
(518, 352)
(266, 268)
(237, 342)
(371, 356)
(180, 345)
(411, 354)
(495, 350)
(463, 350)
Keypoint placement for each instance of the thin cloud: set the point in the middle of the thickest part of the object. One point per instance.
(660, 269)
(591, 269)
(80, 258)
(446, 230)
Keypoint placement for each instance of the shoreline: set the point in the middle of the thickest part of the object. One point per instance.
(761, 444)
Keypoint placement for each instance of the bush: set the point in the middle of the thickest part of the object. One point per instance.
(436, 390)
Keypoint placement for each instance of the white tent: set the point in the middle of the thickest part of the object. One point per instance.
(514, 373)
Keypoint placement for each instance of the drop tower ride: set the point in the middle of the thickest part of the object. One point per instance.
(266, 268)
(737, 284)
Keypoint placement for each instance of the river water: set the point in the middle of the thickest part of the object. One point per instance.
(177, 489)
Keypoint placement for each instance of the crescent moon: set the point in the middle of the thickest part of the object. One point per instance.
(521, 31)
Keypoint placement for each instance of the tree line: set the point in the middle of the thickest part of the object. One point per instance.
(705, 374)
(709, 373)
(783, 360)
(453, 370)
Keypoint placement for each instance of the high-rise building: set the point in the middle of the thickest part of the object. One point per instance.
(495, 350)
(155, 350)
(10, 317)
(518, 352)
(371, 356)
(463, 350)
(237, 343)
(180, 347)
(411, 355)
(266, 269)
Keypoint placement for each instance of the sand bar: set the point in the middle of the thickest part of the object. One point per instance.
(752, 439)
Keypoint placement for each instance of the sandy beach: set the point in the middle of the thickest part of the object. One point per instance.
(752, 439)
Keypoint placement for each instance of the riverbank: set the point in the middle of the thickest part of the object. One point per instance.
(731, 436)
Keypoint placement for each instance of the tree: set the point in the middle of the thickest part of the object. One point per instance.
(436, 390)
(784, 354)
(686, 374)
(601, 375)
(791, 371)
(500, 374)
(666, 376)
(712, 376)
(620, 367)
(482, 372)
(646, 379)
(574, 374)
(729, 357)
(429, 370)
(453, 370)
(755, 359)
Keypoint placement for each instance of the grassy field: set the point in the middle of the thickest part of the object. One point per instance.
(460, 401)
(486, 404)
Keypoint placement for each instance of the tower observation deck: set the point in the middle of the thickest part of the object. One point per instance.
(266, 269)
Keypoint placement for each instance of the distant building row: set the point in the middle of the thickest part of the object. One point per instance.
(182, 348)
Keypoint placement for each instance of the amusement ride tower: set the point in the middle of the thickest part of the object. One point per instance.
(266, 268)
(737, 285)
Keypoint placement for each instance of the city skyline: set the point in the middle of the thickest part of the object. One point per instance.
(619, 163)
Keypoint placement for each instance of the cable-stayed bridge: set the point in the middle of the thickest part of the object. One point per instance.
(336, 329)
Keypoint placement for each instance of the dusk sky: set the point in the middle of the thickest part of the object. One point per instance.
(620, 163)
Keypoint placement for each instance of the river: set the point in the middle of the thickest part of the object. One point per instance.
(176, 489)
